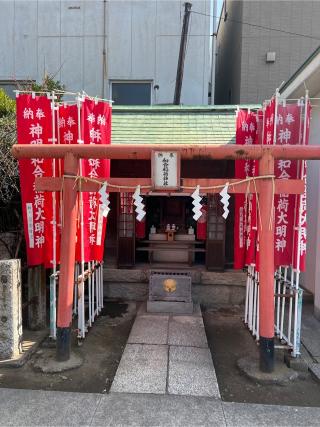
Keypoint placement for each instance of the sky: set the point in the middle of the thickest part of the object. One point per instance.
(219, 6)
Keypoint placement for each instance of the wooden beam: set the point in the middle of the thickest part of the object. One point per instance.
(55, 184)
(187, 151)
(291, 186)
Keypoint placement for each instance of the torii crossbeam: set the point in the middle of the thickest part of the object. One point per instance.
(265, 187)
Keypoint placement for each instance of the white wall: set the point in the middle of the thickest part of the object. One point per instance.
(65, 39)
(312, 274)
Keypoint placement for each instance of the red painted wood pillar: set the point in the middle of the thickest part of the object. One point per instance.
(266, 261)
(68, 244)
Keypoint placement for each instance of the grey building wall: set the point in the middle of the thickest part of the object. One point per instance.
(66, 39)
(228, 57)
(258, 79)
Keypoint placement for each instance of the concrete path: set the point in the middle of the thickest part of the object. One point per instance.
(167, 354)
(50, 408)
(310, 339)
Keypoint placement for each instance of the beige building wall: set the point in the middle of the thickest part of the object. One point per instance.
(256, 78)
(311, 279)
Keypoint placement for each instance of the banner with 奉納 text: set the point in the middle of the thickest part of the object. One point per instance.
(288, 131)
(96, 129)
(300, 229)
(34, 126)
(246, 128)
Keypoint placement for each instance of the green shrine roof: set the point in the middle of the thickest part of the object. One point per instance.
(175, 124)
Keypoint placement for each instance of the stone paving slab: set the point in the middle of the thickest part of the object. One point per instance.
(46, 408)
(149, 330)
(315, 371)
(242, 414)
(172, 307)
(143, 311)
(30, 343)
(187, 331)
(142, 369)
(310, 331)
(154, 410)
(191, 372)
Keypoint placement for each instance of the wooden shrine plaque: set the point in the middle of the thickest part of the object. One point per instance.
(165, 167)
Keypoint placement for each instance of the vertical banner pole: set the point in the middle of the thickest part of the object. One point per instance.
(247, 296)
(258, 317)
(53, 322)
(298, 297)
(90, 293)
(283, 301)
(75, 292)
(101, 283)
(81, 314)
(54, 221)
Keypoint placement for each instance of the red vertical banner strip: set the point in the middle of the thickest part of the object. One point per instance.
(67, 124)
(246, 128)
(34, 126)
(288, 131)
(300, 229)
(252, 211)
(265, 137)
(140, 228)
(96, 129)
(202, 224)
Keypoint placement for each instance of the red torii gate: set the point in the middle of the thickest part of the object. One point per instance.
(266, 188)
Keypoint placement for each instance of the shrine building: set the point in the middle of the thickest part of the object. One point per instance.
(206, 244)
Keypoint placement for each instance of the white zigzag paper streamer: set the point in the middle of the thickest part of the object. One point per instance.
(225, 200)
(196, 203)
(138, 202)
(104, 199)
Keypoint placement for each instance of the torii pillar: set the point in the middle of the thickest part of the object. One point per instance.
(266, 264)
(265, 155)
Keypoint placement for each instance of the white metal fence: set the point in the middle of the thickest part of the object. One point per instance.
(87, 298)
(288, 307)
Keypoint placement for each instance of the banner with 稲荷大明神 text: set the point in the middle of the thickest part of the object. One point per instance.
(34, 126)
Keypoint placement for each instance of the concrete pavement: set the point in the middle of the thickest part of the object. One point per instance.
(51, 408)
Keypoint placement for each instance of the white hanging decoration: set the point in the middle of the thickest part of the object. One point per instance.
(225, 200)
(138, 202)
(104, 199)
(196, 203)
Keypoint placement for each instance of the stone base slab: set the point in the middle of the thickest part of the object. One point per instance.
(175, 307)
(30, 343)
(281, 374)
(49, 365)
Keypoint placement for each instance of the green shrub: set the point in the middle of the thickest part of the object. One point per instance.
(7, 105)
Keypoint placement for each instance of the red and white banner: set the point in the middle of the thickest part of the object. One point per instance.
(68, 124)
(140, 228)
(34, 126)
(96, 129)
(300, 237)
(288, 131)
(202, 224)
(246, 128)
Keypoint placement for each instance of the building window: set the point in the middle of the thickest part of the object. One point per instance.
(9, 86)
(131, 93)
